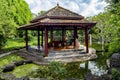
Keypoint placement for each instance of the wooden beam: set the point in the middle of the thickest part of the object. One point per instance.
(46, 41)
(86, 40)
(26, 38)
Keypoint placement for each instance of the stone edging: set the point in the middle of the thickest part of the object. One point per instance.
(8, 53)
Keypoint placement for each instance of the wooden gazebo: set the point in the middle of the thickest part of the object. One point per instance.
(57, 18)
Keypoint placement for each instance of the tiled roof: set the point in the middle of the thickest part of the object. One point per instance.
(58, 12)
(59, 16)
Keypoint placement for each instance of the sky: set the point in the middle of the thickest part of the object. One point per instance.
(83, 7)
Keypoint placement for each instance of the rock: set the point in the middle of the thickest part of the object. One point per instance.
(38, 79)
(2, 79)
(18, 63)
(77, 44)
(115, 60)
(109, 71)
(28, 61)
(106, 77)
(72, 79)
(108, 63)
(7, 76)
(23, 78)
(8, 68)
(90, 76)
(43, 79)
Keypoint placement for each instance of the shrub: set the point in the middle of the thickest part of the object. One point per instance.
(2, 38)
(57, 70)
(114, 47)
(106, 47)
(54, 71)
(42, 72)
(115, 74)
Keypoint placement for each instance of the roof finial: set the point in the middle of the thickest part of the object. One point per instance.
(57, 4)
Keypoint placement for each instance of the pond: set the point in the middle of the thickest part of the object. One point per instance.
(75, 70)
(97, 67)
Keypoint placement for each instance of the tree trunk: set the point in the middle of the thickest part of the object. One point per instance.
(102, 43)
(90, 40)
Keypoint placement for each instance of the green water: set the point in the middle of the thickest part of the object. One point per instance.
(75, 70)
(97, 67)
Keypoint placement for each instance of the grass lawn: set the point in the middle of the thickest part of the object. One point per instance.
(9, 59)
(96, 46)
(24, 70)
(19, 71)
(12, 44)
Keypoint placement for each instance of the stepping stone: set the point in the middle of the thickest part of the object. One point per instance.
(18, 63)
(8, 68)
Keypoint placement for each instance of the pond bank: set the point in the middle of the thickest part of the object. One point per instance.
(8, 53)
(75, 70)
(66, 56)
(72, 56)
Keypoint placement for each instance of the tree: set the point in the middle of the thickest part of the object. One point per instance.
(103, 30)
(41, 12)
(114, 10)
(17, 10)
(2, 38)
(16, 13)
(13, 13)
(108, 26)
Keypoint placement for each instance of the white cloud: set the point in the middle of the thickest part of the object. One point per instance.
(91, 8)
(73, 6)
(29, 1)
(83, 7)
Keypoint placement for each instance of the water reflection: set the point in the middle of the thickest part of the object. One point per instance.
(75, 71)
(96, 67)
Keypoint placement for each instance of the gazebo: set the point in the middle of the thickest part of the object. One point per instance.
(57, 18)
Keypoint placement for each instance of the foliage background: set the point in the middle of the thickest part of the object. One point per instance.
(13, 13)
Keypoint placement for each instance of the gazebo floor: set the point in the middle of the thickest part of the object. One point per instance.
(62, 48)
(63, 54)
(54, 48)
(70, 55)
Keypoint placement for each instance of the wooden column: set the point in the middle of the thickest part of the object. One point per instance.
(26, 38)
(38, 39)
(86, 40)
(63, 37)
(42, 38)
(46, 41)
(75, 36)
(47, 37)
(86, 65)
(51, 37)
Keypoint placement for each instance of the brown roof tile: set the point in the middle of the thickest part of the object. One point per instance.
(58, 12)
